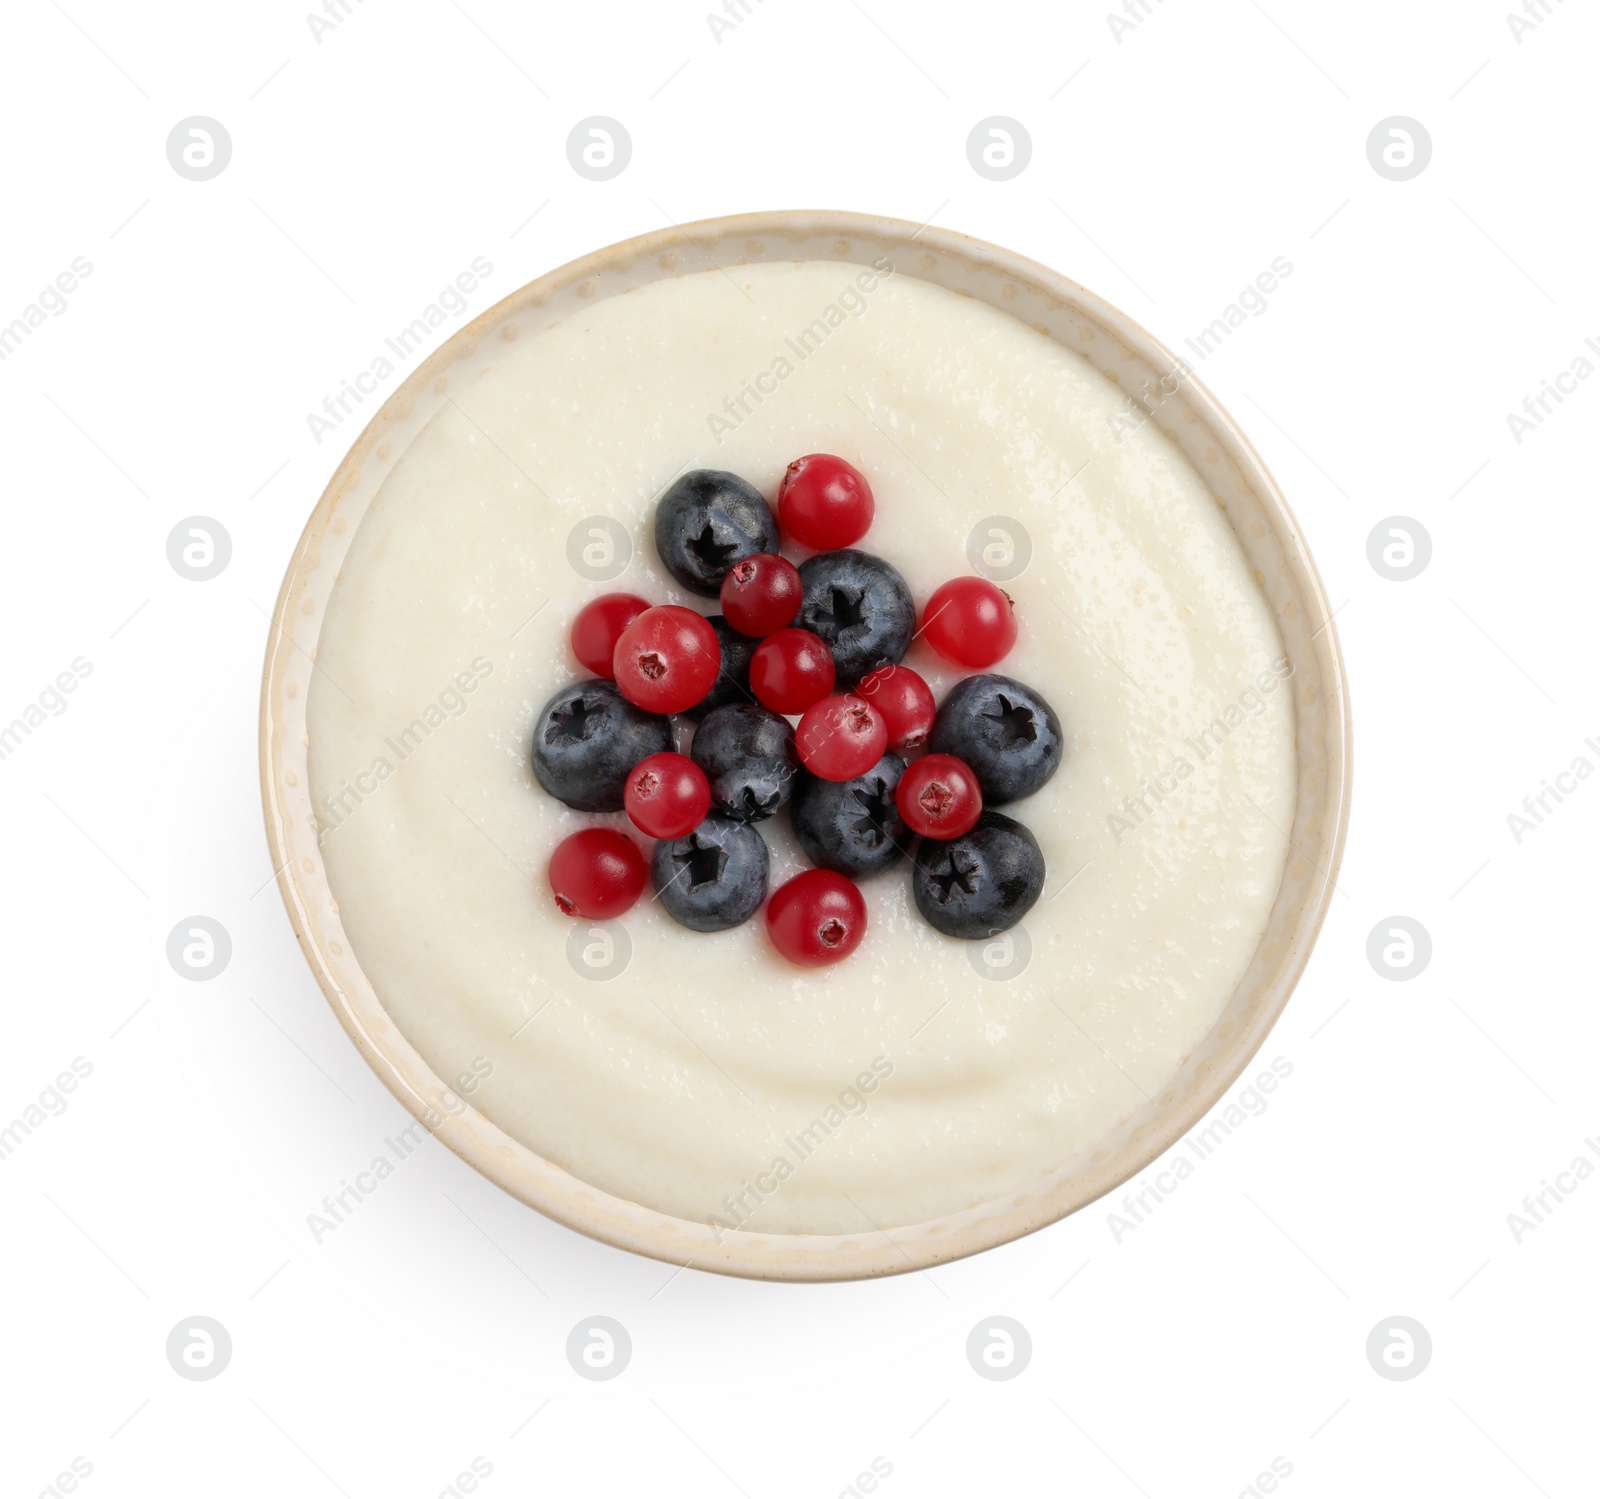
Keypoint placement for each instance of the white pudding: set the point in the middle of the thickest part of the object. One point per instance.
(702, 1075)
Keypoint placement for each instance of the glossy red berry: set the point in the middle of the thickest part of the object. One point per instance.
(761, 594)
(904, 702)
(667, 659)
(841, 738)
(791, 670)
(939, 797)
(599, 625)
(824, 503)
(597, 874)
(667, 795)
(969, 621)
(817, 918)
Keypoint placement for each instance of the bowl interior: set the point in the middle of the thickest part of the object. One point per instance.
(1189, 416)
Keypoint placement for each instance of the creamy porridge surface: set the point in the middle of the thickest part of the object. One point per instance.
(709, 1078)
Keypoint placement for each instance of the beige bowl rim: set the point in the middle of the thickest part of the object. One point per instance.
(1223, 456)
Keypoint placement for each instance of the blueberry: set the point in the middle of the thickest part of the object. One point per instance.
(852, 827)
(714, 878)
(586, 741)
(1006, 732)
(748, 755)
(860, 606)
(708, 520)
(983, 882)
(733, 681)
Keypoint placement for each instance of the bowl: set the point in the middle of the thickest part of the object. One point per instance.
(1125, 354)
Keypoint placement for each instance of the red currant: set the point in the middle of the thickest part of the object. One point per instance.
(667, 795)
(905, 703)
(667, 659)
(841, 738)
(761, 594)
(791, 670)
(824, 503)
(816, 918)
(597, 874)
(970, 622)
(939, 797)
(599, 624)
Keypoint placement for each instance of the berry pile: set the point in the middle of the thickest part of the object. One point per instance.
(873, 770)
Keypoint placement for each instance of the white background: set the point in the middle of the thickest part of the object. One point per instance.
(1168, 168)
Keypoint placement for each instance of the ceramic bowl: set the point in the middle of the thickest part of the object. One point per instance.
(1125, 354)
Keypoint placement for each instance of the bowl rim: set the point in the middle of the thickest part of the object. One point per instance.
(799, 1257)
